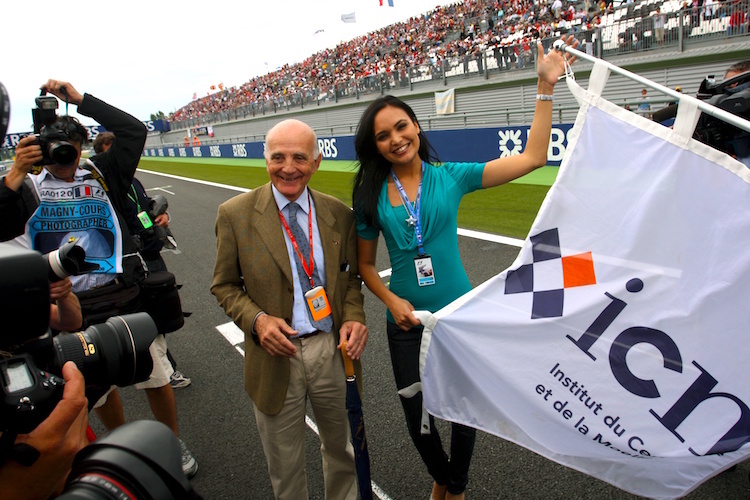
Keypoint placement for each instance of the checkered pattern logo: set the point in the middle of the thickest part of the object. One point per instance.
(549, 275)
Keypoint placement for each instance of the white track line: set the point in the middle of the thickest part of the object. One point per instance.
(461, 232)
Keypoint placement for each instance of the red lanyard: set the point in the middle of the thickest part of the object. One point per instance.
(308, 269)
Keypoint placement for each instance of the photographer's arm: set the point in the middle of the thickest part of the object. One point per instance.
(28, 152)
(57, 439)
(122, 158)
(13, 213)
(118, 164)
(65, 311)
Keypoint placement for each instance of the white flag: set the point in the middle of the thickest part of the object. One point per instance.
(349, 18)
(616, 343)
(445, 102)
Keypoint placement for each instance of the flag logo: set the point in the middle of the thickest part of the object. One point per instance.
(82, 192)
(549, 274)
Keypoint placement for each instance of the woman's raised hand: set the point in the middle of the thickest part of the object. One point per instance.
(552, 65)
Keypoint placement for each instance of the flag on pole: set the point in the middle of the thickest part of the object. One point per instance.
(615, 343)
(445, 102)
(349, 18)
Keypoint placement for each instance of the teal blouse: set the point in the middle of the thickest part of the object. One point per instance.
(442, 190)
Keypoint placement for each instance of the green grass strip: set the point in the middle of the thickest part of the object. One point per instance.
(508, 210)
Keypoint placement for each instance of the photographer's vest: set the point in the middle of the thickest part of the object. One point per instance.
(79, 211)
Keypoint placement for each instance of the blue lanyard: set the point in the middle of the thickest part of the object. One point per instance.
(413, 219)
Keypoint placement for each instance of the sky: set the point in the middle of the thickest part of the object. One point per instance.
(149, 56)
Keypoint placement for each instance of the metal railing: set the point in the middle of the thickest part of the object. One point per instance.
(501, 118)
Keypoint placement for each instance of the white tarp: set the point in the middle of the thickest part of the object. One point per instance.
(616, 343)
(445, 102)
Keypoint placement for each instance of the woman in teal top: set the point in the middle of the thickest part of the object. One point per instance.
(442, 190)
(400, 190)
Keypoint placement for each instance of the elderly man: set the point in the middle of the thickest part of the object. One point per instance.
(286, 273)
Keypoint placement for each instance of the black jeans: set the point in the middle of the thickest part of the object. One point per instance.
(453, 471)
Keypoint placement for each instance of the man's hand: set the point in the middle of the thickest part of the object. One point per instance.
(59, 290)
(273, 334)
(63, 91)
(355, 335)
(58, 438)
(162, 220)
(65, 309)
(28, 152)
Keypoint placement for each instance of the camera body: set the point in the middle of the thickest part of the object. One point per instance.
(29, 394)
(733, 96)
(52, 136)
(158, 205)
(112, 353)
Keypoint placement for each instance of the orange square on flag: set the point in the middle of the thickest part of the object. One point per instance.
(578, 270)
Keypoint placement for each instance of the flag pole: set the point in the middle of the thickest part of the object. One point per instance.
(705, 107)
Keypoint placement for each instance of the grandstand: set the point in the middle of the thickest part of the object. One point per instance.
(477, 48)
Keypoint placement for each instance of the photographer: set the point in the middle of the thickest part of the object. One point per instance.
(69, 201)
(64, 202)
(52, 445)
(731, 95)
(740, 144)
(139, 202)
(737, 69)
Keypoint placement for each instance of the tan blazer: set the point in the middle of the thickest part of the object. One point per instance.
(253, 274)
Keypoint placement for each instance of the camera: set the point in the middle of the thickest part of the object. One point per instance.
(113, 353)
(141, 459)
(4, 110)
(157, 206)
(52, 136)
(731, 95)
(68, 260)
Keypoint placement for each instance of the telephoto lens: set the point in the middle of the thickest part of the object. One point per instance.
(111, 353)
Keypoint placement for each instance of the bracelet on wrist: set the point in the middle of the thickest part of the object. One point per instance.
(544, 97)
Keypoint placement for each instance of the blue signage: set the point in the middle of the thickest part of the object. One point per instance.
(476, 145)
(11, 140)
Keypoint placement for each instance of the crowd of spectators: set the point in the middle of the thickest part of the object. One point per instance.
(417, 49)
(391, 54)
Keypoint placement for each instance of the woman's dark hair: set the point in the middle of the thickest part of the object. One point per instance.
(373, 168)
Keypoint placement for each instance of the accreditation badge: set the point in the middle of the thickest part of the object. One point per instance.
(425, 272)
(145, 220)
(317, 301)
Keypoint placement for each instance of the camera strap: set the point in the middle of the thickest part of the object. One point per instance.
(29, 195)
(89, 165)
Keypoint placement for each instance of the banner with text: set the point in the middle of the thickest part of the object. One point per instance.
(11, 140)
(478, 145)
(615, 343)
